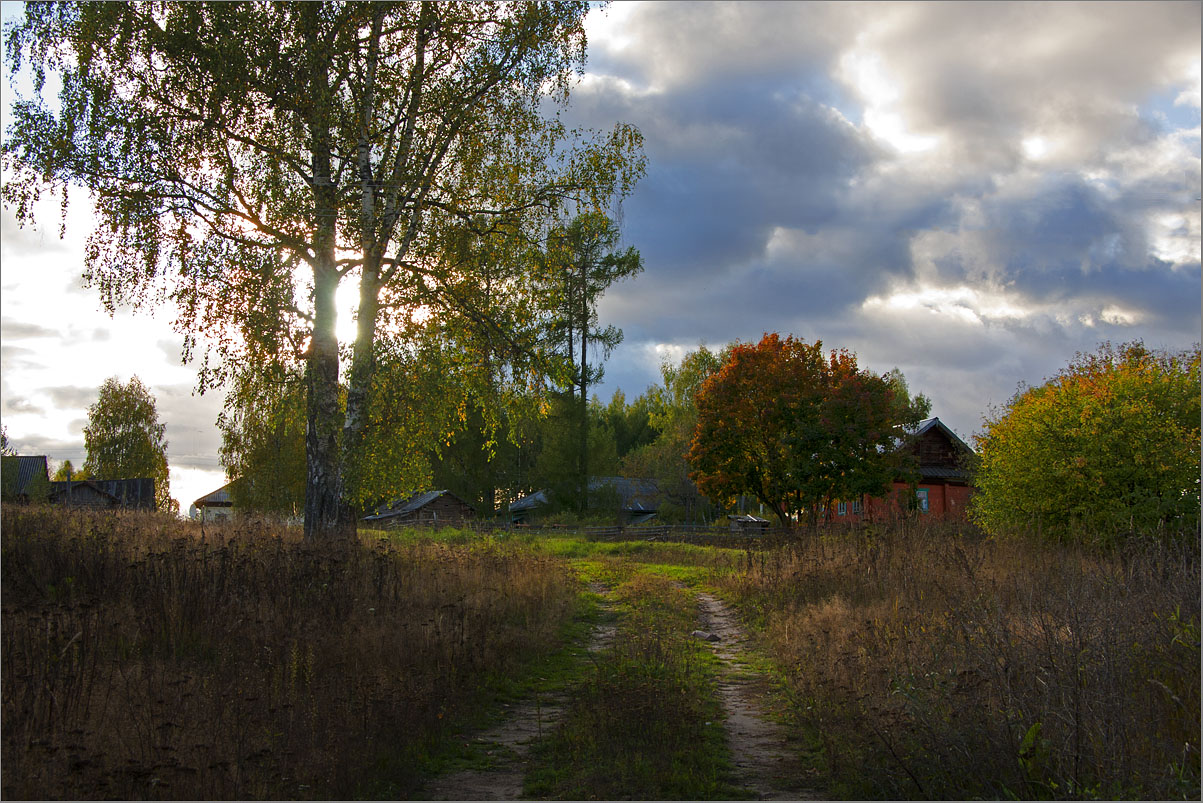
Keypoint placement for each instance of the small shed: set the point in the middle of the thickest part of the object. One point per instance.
(429, 507)
(137, 493)
(82, 493)
(214, 505)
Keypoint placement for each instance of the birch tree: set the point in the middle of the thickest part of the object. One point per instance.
(246, 159)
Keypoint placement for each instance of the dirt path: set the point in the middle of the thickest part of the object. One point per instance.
(763, 763)
(509, 742)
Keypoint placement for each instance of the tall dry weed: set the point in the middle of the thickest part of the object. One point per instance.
(933, 662)
(144, 659)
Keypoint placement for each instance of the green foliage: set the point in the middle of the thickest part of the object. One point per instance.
(580, 261)
(487, 467)
(644, 723)
(1108, 446)
(245, 159)
(797, 430)
(630, 423)
(672, 412)
(68, 472)
(557, 466)
(125, 439)
(263, 442)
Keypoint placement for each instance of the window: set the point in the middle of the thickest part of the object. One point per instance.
(857, 508)
(921, 500)
(841, 509)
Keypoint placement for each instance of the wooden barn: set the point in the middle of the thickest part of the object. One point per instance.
(943, 489)
(128, 494)
(430, 507)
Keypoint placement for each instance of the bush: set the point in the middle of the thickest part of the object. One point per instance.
(1108, 447)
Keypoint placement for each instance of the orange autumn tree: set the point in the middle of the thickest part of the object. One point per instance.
(798, 429)
(1107, 447)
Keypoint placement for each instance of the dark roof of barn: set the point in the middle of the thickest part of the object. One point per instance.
(418, 501)
(29, 467)
(60, 488)
(637, 494)
(747, 518)
(136, 492)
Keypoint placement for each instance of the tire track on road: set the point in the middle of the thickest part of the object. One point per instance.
(764, 763)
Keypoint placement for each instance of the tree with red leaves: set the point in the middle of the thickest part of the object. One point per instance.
(797, 429)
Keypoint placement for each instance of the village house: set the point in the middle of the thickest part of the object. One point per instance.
(214, 506)
(429, 507)
(943, 488)
(27, 479)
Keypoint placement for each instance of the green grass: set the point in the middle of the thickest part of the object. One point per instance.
(644, 721)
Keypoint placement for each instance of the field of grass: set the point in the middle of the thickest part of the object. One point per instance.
(929, 662)
(144, 659)
(643, 721)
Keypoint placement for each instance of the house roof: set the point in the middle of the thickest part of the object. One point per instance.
(28, 467)
(929, 424)
(402, 507)
(60, 488)
(747, 518)
(636, 494)
(941, 473)
(218, 498)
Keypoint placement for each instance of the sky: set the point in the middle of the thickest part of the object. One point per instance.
(968, 192)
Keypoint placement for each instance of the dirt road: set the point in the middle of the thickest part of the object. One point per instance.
(763, 761)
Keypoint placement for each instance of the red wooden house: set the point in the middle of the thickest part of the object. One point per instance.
(943, 488)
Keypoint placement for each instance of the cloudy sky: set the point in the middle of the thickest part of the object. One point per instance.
(969, 192)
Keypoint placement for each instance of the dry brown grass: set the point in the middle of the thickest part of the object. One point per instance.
(144, 660)
(933, 662)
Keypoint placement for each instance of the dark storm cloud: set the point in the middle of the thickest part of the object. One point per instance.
(772, 204)
(726, 166)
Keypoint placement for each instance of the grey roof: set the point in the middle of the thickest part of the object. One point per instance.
(61, 488)
(28, 467)
(530, 501)
(935, 423)
(637, 494)
(401, 507)
(137, 493)
(218, 498)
